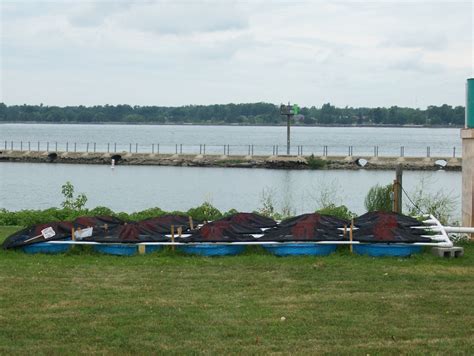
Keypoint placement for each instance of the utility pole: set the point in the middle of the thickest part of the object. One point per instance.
(288, 111)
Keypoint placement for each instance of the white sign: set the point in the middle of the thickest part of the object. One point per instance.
(81, 234)
(48, 233)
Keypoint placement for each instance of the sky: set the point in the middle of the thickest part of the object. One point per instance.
(172, 53)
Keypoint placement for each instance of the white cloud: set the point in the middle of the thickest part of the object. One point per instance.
(178, 18)
(183, 52)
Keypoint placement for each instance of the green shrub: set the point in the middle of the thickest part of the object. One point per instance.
(123, 216)
(205, 212)
(7, 218)
(33, 217)
(230, 212)
(101, 211)
(379, 198)
(146, 214)
(340, 211)
(315, 163)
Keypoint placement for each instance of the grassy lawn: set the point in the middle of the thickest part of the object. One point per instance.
(82, 302)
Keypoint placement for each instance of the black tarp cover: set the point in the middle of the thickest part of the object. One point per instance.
(322, 220)
(307, 227)
(162, 224)
(251, 220)
(372, 227)
(223, 231)
(113, 230)
(61, 228)
(102, 226)
(104, 229)
(386, 227)
(130, 233)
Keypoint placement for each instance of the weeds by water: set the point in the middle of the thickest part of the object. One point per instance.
(379, 198)
(440, 203)
(315, 163)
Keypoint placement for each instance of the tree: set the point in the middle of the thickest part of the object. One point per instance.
(328, 114)
(71, 202)
(232, 113)
(3, 112)
(378, 115)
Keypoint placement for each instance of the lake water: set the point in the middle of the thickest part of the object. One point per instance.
(442, 142)
(132, 188)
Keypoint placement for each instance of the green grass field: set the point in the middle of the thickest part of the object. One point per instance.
(82, 302)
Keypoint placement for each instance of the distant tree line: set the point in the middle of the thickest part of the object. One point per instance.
(250, 114)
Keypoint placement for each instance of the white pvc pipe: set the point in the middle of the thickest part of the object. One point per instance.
(447, 242)
(459, 229)
(249, 243)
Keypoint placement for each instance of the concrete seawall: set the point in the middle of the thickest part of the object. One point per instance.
(272, 162)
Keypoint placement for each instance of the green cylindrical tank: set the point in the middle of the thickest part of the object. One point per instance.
(470, 103)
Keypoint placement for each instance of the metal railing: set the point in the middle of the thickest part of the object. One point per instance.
(235, 150)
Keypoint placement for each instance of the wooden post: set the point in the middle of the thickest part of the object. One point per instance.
(180, 231)
(73, 235)
(350, 234)
(345, 232)
(395, 196)
(172, 237)
(191, 224)
(397, 190)
(141, 249)
(399, 178)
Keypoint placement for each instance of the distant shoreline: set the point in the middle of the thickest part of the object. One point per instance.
(227, 124)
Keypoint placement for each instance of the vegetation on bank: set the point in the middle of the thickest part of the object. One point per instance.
(250, 114)
(315, 163)
(204, 212)
(379, 198)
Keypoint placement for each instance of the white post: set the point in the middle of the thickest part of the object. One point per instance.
(467, 135)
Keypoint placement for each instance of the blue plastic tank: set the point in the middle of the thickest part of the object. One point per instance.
(300, 249)
(386, 250)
